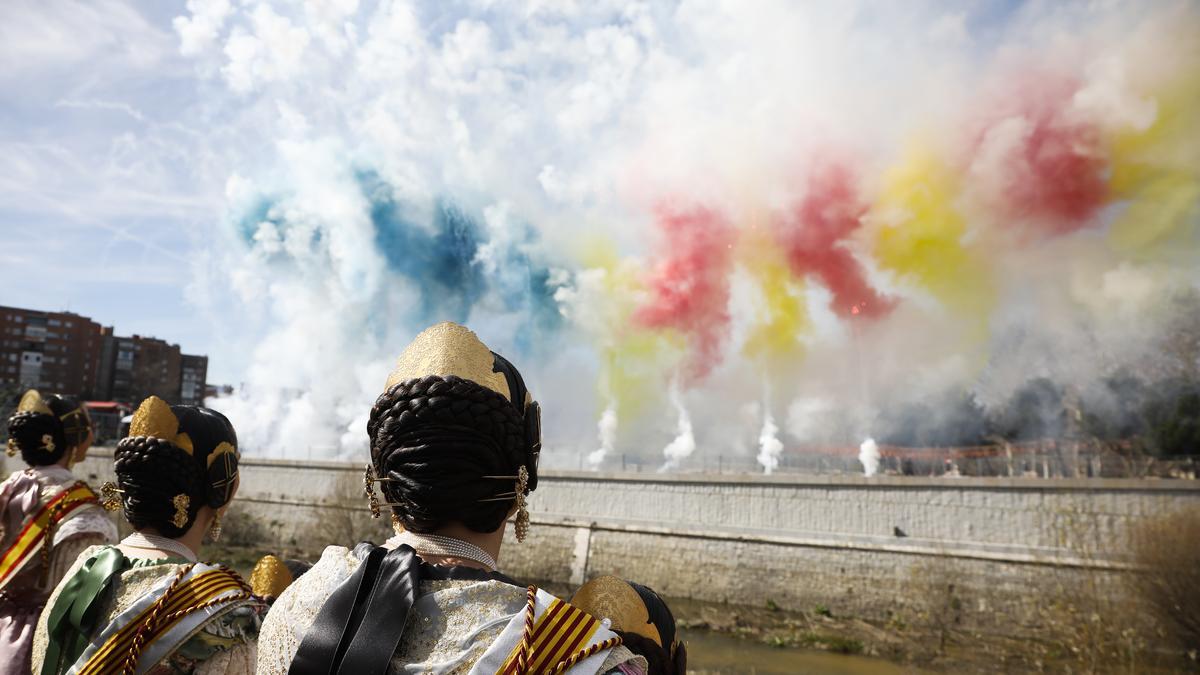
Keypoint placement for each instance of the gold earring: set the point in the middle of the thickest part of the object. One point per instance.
(522, 521)
(214, 530)
(369, 491)
(110, 496)
(181, 502)
(11, 448)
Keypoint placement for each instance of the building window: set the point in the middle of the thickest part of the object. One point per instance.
(54, 322)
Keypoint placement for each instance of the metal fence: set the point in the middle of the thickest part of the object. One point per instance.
(1047, 462)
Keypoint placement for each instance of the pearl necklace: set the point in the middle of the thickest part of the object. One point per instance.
(154, 542)
(449, 547)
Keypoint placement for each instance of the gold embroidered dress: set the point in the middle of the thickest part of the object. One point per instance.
(22, 496)
(222, 643)
(453, 622)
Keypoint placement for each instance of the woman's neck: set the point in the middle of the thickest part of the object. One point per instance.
(191, 540)
(489, 542)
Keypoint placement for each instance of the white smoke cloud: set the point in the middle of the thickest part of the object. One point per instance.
(607, 432)
(868, 454)
(769, 445)
(553, 122)
(684, 444)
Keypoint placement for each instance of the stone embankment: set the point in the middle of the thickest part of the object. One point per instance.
(993, 549)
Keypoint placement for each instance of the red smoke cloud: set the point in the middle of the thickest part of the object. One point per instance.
(689, 287)
(813, 235)
(1039, 160)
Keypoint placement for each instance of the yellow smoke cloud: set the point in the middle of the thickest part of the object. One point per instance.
(920, 237)
(632, 360)
(773, 340)
(1158, 171)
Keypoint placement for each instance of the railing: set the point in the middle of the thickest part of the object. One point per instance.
(1045, 460)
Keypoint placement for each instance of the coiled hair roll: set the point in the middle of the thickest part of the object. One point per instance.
(43, 438)
(435, 438)
(152, 471)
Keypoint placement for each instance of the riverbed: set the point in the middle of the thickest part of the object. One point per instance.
(711, 653)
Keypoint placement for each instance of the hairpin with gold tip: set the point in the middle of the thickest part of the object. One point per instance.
(110, 496)
(522, 521)
(369, 481)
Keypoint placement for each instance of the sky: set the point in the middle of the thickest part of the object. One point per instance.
(692, 223)
(111, 189)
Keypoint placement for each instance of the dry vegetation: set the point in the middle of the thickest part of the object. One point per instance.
(1167, 553)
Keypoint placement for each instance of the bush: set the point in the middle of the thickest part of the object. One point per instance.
(1167, 550)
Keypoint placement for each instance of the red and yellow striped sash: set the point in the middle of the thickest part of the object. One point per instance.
(187, 596)
(561, 631)
(32, 537)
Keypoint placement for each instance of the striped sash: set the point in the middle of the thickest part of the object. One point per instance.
(40, 526)
(162, 620)
(560, 630)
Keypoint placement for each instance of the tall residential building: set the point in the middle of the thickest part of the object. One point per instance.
(61, 352)
(192, 381)
(55, 351)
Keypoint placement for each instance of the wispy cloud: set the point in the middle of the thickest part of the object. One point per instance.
(97, 104)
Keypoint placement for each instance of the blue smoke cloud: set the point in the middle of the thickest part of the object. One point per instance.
(436, 251)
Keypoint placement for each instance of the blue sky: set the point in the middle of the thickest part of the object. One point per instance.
(89, 221)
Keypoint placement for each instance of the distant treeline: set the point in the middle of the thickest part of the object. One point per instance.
(1159, 418)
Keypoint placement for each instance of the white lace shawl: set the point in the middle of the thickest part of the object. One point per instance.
(451, 624)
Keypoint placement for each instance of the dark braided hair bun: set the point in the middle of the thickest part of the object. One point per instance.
(152, 472)
(435, 438)
(43, 438)
(28, 431)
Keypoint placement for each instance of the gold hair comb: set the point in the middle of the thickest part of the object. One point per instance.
(110, 496)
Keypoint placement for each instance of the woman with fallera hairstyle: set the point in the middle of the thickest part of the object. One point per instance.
(455, 439)
(47, 515)
(147, 605)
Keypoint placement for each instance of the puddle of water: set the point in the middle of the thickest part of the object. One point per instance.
(715, 653)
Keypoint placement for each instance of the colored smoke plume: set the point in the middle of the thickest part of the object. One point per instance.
(816, 237)
(1036, 159)
(611, 198)
(689, 288)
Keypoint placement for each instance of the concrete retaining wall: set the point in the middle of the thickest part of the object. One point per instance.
(871, 547)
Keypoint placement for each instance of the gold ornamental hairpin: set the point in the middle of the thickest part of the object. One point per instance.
(110, 496)
(181, 502)
(518, 493)
(369, 481)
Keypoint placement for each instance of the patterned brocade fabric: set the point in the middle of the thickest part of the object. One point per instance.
(224, 645)
(23, 493)
(452, 623)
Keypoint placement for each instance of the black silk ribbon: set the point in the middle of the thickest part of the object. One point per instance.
(358, 629)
